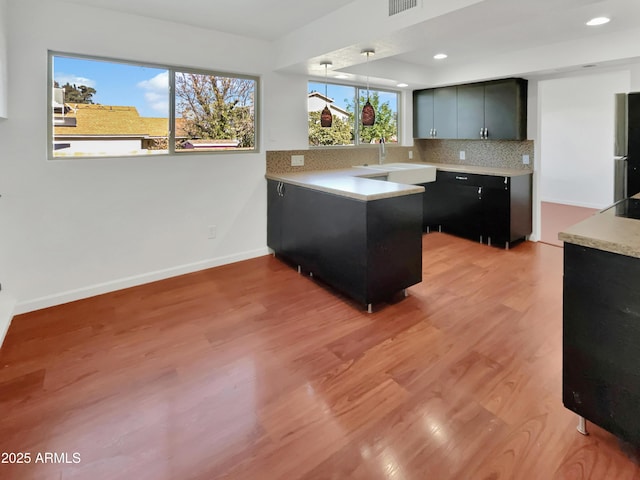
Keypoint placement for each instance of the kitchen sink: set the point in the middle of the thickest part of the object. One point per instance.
(412, 173)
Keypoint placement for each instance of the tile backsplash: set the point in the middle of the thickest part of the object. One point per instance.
(335, 158)
(486, 153)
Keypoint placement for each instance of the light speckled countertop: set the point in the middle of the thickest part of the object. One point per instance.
(500, 172)
(359, 183)
(352, 182)
(606, 231)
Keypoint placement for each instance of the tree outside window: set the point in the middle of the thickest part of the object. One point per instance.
(346, 128)
(109, 108)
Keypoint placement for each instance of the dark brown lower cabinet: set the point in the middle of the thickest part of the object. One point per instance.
(601, 339)
(369, 250)
(491, 209)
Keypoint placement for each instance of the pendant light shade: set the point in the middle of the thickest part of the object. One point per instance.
(368, 113)
(326, 119)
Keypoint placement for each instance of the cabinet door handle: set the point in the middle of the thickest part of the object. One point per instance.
(479, 191)
(282, 189)
(461, 178)
(482, 133)
(486, 133)
(435, 132)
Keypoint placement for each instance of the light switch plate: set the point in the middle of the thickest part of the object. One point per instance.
(410, 154)
(297, 160)
(463, 155)
(525, 159)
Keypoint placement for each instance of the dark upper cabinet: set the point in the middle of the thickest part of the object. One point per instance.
(445, 116)
(495, 110)
(470, 110)
(505, 109)
(423, 113)
(435, 114)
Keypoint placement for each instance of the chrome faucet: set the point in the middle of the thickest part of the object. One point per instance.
(382, 154)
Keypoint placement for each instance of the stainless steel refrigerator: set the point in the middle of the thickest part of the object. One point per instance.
(627, 146)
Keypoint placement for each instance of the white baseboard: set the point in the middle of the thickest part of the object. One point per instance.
(99, 289)
(7, 306)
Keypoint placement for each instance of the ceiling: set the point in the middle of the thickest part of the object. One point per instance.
(483, 38)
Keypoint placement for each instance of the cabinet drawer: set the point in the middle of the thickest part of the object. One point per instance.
(486, 181)
(459, 178)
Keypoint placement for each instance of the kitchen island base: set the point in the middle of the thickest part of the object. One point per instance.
(368, 250)
(601, 339)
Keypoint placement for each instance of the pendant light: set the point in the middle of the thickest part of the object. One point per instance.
(368, 113)
(326, 119)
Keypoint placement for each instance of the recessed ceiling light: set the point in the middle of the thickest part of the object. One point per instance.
(402, 85)
(440, 56)
(598, 21)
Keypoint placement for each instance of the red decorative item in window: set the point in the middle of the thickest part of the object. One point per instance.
(326, 118)
(368, 114)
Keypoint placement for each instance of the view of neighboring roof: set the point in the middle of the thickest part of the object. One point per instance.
(317, 101)
(112, 120)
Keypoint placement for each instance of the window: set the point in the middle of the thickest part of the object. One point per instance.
(115, 108)
(346, 128)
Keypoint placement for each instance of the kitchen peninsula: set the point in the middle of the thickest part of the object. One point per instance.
(360, 235)
(601, 319)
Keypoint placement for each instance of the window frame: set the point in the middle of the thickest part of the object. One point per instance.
(357, 121)
(171, 120)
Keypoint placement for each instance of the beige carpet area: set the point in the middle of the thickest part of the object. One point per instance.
(555, 217)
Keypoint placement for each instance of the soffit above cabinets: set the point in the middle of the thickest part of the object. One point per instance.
(484, 39)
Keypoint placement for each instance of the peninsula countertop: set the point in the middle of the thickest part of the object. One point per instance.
(353, 182)
(607, 231)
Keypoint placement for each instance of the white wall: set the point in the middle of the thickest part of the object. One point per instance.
(3, 59)
(576, 138)
(635, 78)
(73, 228)
(286, 119)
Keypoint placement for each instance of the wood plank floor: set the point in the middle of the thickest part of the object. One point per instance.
(251, 371)
(557, 217)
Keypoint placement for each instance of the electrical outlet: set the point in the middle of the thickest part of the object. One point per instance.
(525, 159)
(463, 155)
(297, 160)
(410, 154)
(212, 231)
